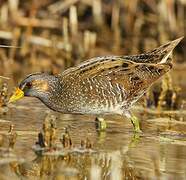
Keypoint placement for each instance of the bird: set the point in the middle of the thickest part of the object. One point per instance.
(101, 85)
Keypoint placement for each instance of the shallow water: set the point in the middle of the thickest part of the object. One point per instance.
(158, 153)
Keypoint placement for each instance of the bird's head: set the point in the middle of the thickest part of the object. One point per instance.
(37, 85)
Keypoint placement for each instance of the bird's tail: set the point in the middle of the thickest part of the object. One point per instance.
(163, 52)
(159, 55)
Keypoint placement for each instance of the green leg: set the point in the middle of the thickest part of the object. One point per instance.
(135, 122)
(101, 124)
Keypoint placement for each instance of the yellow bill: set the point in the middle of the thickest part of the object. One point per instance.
(18, 94)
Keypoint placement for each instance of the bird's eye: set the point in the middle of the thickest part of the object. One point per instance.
(29, 84)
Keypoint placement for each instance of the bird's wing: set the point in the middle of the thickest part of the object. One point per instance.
(98, 65)
(119, 70)
(96, 61)
(140, 75)
(156, 56)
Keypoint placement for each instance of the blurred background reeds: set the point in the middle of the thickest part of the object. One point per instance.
(52, 35)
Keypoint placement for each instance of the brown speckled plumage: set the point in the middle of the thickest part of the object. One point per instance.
(101, 85)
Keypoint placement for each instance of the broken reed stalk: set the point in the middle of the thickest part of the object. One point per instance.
(166, 85)
(36, 22)
(97, 12)
(86, 41)
(12, 136)
(14, 43)
(171, 15)
(73, 21)
(4, 15)
(89, 41)
(65, 30)
(3, 77)
(35, 40)
(61, 6)
(13, 6)
(115, 26)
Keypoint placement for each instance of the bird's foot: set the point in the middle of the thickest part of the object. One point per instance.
(101, 124)
(135, 122)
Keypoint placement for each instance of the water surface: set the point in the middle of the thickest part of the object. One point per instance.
(159, 152)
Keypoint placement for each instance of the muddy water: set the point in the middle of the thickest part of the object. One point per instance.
(158, 153)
